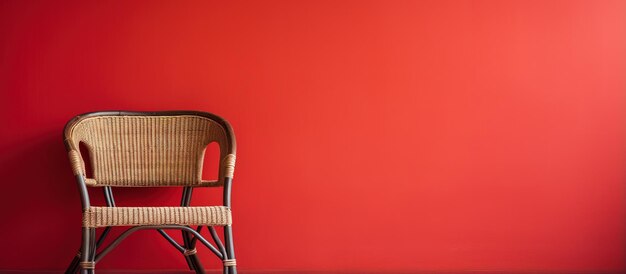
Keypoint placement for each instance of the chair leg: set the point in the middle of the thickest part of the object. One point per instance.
(88, 251)
(230, 265)
(71, 269)
(190, 263)
(192, 260)
(198, 268)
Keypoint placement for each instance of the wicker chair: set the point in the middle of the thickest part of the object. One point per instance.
(151, 149)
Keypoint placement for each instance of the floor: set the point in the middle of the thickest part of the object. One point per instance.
(104, 271)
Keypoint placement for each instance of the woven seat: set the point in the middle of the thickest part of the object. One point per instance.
(147, 150)
(133, 216)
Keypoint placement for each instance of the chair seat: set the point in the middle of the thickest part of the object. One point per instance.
(134, 216)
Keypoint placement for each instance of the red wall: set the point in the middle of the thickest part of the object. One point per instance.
(380, 135)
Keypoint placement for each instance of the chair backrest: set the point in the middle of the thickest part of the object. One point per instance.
(150, 148)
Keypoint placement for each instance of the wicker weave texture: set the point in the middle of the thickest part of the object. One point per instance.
(147, 150)
(133, 216)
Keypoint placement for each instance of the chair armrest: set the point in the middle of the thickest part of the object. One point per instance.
(76, 160)
(227, 167)
(226, 171)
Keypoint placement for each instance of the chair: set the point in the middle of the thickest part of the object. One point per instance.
(151, 149)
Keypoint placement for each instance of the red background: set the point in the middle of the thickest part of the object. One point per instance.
(373, 135)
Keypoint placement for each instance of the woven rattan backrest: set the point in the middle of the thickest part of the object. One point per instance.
(162, 149)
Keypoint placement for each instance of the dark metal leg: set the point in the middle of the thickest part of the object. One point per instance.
(216, 239)
(92, 254)
(191, 244)
(71, 269)
(230, 264)
(190, 264)
(103, 236)
(88, 250)
(87, 255)
(230, 250)
(184, 202)
(192, 260)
